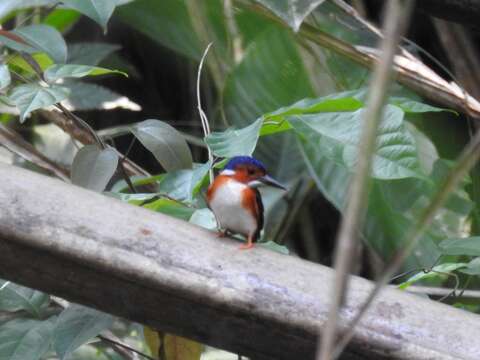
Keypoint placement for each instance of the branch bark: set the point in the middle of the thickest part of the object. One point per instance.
(182, 279)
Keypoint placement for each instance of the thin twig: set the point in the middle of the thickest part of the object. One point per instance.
(13, 142)
(125, 346)
(466, 161)
(395, 23)
(203, 116)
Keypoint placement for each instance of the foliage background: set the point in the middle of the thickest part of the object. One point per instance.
(267, 91)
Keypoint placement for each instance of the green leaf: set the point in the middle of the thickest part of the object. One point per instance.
(233, 142)
(277, 121)
(42, 59)
(56, 72)
(76, 325)
(293, 13)
(25, 339)
(415, 107)
(5, 77)
(384, 228)
(395, 156)
(272, 74)
(204, 218)
(167, 22)
(465, 246)
(97, 10)
(171, 208)
(473, 267)
(167, 144)
(93, 167)
(62, 19)
(7, 6)
(90, 53)
(31, 97)
(45, 39)
(437, 271)
(14, 297)
(183, 185)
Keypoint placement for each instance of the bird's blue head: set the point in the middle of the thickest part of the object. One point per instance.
(250, 171)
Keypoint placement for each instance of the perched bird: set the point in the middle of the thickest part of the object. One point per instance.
(235, 200)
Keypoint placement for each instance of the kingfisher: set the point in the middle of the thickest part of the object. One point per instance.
(235, 200)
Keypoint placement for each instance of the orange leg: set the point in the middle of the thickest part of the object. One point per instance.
(222, 233)
(249, 243)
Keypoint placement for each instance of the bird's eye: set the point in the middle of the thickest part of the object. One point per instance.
(251, 171)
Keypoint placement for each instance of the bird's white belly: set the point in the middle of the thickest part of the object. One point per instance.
(227, 207)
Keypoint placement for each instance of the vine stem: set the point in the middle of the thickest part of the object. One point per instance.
(397, 17)
(203, 116)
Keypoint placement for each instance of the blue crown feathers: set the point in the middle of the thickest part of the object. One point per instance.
(243, 160)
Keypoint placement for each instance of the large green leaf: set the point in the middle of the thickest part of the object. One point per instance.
(234, 142)
(166, 144)
(395, 156)
(14, 297)
(385, 226)
(76, 325)
(46, 39)
(5, 77)
(183, 185)
(167, 22)
(93, 167)
(292, 12)
(56, 72)
(465, 246)
(271, 75)
(171, 208)
(31, 97)
(98, 10)
(25, 339)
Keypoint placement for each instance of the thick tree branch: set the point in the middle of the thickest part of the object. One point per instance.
(182, 279)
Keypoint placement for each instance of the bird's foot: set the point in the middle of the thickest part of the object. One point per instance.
(247, 246)
(222, 233)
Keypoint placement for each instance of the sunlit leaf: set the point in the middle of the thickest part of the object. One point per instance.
(45, 39)
(412, 106)
(441, 270)
(293, 12)
(167, 144)
(171, 208)
(232, 142)
(5, 77)
(179, 348)
(42, 59)
(31, 97)
(466, 246)
(56, 72)
(76, 325)
(93, 167)
(7, 6)
(14, 297)
(98, 10)
(183, 185)
(62, 19)
(25, 339)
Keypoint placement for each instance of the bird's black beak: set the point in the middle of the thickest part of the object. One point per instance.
(269, 181)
